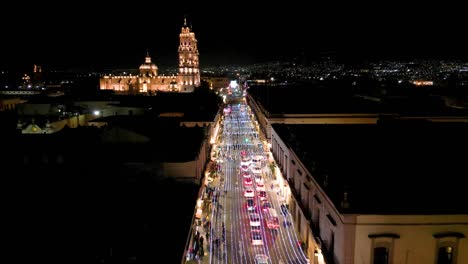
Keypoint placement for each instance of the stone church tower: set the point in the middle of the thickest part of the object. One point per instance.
(188, 76)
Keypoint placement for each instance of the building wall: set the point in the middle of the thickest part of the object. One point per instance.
(58, 125)
(217, 82)
(94, 105)
(416, 243)
(10, 103)
(72, 122)
(180, 169)
(215, 127)
(261, 117)
(325, 119)
(190, 170)
(121, 110)
(316, 216)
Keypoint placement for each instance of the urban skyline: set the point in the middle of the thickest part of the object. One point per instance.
(283, 133)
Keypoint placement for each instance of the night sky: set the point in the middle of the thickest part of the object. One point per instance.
(111, 36)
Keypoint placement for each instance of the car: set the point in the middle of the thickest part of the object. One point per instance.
(262, 195)
(262, 259)
(248, 182)
(266, 205)
(245, 174)
(254, 219)
(256, 165)
(256, 237)
(244, 168)
(258, 178)
(260, 186)
(249, 192)
(250, 204)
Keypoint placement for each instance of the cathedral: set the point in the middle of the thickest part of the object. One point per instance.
(148, 80)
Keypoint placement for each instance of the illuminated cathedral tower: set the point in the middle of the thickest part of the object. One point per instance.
(189, 73)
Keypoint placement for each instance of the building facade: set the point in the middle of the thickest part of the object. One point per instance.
(148, 80)
(331, 235)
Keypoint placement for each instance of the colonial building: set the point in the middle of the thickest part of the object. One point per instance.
(148, 80)
(375, 193)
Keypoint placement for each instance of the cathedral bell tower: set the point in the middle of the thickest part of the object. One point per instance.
(189, 73)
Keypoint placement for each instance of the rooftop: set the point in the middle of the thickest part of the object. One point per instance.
(343, 98)
(394, 167)
(148, 137)
(310, 99)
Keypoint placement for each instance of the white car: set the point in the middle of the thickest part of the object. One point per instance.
(257, 161)
(258, 178)
(249, 192)
(256, 238)
(254, 219)
(260, 186)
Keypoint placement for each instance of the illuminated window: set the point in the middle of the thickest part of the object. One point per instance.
(447, 247)
(445, 255)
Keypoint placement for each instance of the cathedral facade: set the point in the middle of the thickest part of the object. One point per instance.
(148, 80)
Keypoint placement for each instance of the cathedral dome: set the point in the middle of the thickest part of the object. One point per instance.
(148, 68)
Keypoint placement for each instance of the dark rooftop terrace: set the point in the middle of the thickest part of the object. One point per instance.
(310, 99)
(394, 167)
(342, 98)
(168, 141)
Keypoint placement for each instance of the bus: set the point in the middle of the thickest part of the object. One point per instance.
(271, 218)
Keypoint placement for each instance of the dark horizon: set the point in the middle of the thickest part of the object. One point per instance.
(91, 36)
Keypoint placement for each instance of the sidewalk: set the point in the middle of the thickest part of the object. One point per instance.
(202, 225)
